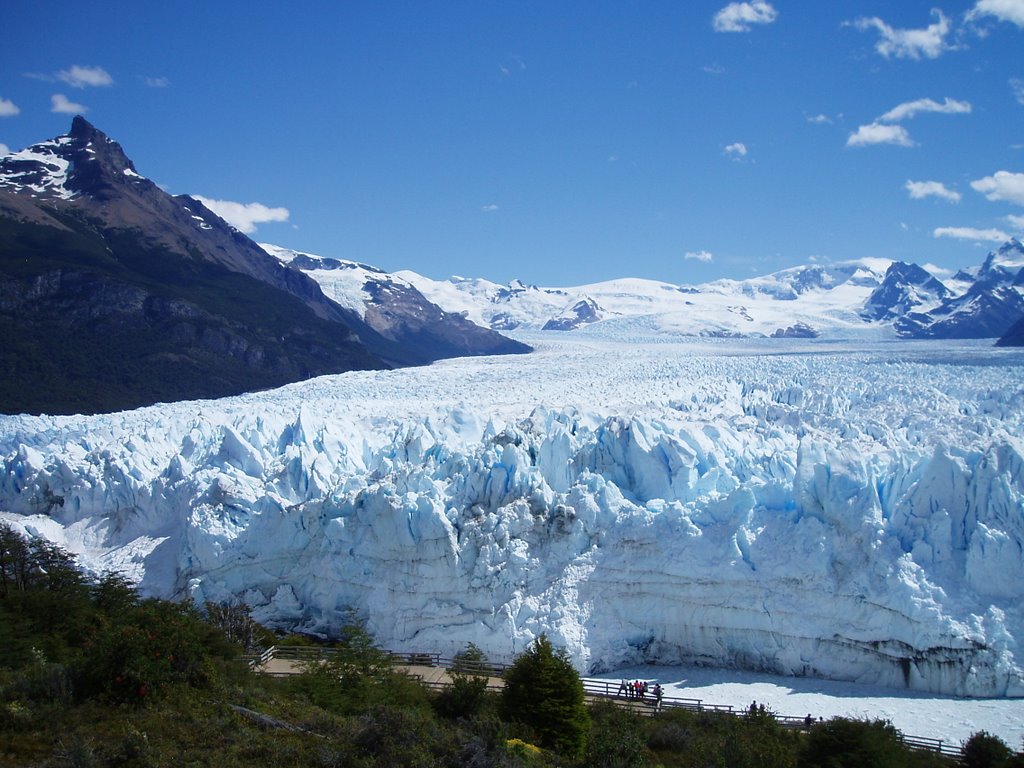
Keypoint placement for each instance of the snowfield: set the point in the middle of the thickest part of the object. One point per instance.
(844, 510)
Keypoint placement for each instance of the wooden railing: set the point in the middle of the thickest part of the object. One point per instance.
(609, 689)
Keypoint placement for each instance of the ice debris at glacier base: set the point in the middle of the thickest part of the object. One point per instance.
(856, 515)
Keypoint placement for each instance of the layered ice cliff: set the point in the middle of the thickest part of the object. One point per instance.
(852, 514)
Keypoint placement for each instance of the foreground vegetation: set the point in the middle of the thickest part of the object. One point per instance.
(93, 675)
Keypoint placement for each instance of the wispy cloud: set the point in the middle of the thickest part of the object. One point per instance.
(714, 69)
(4, 150)
(879, 133)
(1017, 222)
(740, 17)
(819, 119)
(156, 82)
(736, 151)
(83, 77)
(885, 129)
(8, 108)
(61, 104)
(490, 208)
(970, 233)
(244, 216)
(908, 109)
(1017, 86)
(1004, 10)
(921, 189)
(1002, 186)
(704, 256)
(929, 42)
(514, 64)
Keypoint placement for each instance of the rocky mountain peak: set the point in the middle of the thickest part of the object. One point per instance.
(83, 161)
(1003, 264)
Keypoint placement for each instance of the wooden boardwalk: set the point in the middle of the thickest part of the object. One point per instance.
(432, 670)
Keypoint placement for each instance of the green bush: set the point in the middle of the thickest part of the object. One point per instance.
(467, 694)
(616, 739)
(983, 750)
(846, 743)
(154, 644)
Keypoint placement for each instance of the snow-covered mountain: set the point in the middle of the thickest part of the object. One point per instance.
(864, 298)
(847, 510)
(825, 298)
(906, 288)
(990, 304)
(395, 309)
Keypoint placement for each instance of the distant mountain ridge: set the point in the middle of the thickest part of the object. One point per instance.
(862, 297)
(115, 294)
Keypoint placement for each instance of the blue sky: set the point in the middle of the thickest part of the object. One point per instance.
(555, 142)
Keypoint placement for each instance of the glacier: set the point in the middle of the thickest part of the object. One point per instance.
(844, 509)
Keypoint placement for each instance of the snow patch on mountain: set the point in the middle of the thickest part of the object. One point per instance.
(832, 511)
(38, 170)
(342, 281)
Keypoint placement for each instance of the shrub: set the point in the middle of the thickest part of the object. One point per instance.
(846, 743)
(155, 644)
(615, 738)
(467, 694)
(983, 750)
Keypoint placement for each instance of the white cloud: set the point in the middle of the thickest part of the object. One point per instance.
(819, 119)
(489, 208)
(1004, 10)
(908, 109)
(1017, 222)
(82, 77)
(970, 233)
(8, 108)
(4, 150)
(940, 272)
(1002, 185)
(883, 130)
(879, 133)
(705, 256)
(739, 17)
(156, 82)
(244, 216)
(714, 69)
(62, 105)
(1017, 85)
(736, 151)
(929, 42)
(921, 189)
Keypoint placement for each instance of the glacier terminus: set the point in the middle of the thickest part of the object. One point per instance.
(835, 508)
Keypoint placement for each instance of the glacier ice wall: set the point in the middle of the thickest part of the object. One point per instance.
(852, 515)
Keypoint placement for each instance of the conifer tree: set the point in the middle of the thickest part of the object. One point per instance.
(544, 692)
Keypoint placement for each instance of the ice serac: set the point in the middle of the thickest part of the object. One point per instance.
(845, 515)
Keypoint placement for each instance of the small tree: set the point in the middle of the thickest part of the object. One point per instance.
(544, 692)
(235, 620)
(983, 750)
(466, 695)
